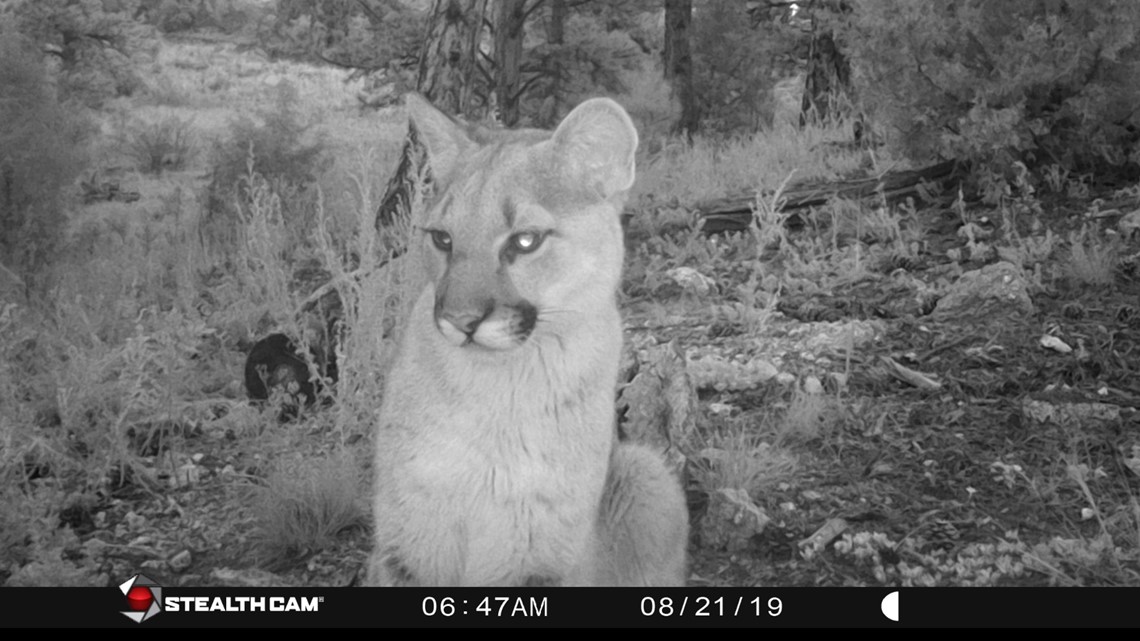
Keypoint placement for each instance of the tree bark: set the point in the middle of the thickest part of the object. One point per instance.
(448, 67)
(509, 19)
(679, 63)
(448, 62)
(555, 37)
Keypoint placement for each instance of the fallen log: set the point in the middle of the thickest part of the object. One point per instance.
(734, 213)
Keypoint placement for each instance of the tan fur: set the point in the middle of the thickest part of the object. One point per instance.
(497, 461)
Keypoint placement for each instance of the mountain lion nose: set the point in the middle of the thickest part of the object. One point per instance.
(466, 322)
(459, 325)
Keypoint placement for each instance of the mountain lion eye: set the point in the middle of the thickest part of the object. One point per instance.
(441, 240)
(526, 242)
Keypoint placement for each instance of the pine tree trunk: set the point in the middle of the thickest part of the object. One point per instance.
(679, 63)
(448, 62)
(555, 36)
(448, 67)
(509, 18)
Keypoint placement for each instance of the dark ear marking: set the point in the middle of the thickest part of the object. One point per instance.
(445, 138)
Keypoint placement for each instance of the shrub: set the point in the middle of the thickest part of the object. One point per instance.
(997, 81)
(36, 552)
(306, 503)
(370, 34)
(274, 150)
(41, 152)
(165, 144)
(733, 63)
(1092, 260)
(595, 57)
(171, 16)
(92, 40)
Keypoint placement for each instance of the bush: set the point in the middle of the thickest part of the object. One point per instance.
(41, 153)
(93, 41)
(595, 57)
(734, 61)
(996, 81)
(166, 144)
(372, 34)
(171, 16)
(275, 151)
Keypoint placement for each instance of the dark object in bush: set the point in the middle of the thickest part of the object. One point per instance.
(95, 191)
(274, 362)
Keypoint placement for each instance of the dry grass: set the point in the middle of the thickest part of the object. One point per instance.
(306, 503)
(134, 350)
(1092, 260)
(712, 168)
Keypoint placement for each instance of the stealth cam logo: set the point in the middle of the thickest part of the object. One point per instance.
(144, 598)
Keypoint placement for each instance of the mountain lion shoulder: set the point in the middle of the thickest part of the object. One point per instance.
(497, 460)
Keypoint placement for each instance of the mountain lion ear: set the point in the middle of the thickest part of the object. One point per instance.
(444, 137)
(596, 145)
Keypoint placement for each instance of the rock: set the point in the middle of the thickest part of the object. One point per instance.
(812, 385)
(1129, 224)
(692, 281)
(731, 521)
(994, 291)
(716, 372)
(1049, 341)
(181, 561)
(1070, 414)
(838, 337)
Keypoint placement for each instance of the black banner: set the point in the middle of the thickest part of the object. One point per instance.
(570, 607)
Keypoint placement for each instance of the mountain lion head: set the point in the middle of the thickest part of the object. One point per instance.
(522, 242)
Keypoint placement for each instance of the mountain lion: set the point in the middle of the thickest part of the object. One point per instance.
(497, 460)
